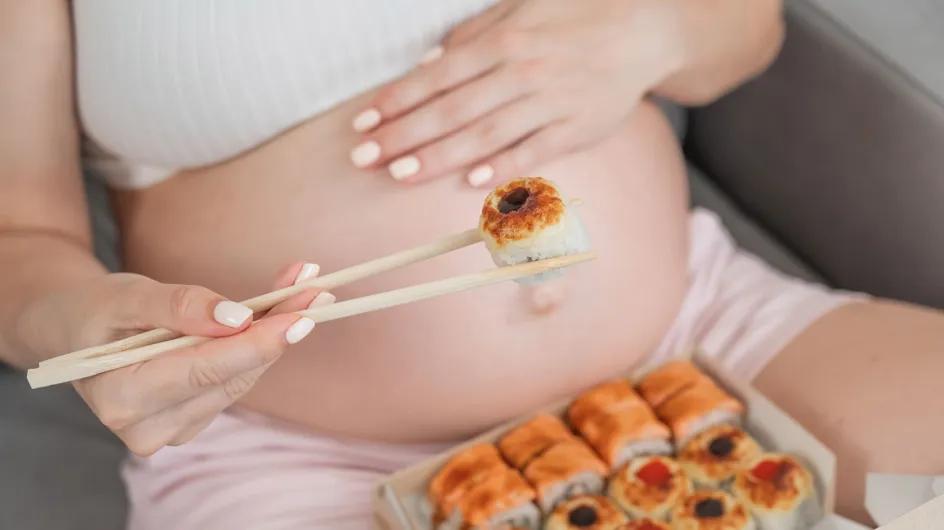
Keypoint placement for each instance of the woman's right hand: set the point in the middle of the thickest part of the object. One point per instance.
(170, 399)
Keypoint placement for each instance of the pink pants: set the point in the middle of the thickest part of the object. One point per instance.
(245, 471)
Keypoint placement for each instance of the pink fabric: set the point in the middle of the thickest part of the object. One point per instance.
(245, 471)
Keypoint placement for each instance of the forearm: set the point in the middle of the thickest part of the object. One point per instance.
(32, 265)
(721, 43)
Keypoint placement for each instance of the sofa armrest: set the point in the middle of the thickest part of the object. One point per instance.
(839, 148)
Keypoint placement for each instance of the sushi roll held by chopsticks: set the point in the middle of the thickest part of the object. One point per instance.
(528, 219)
(778, 491)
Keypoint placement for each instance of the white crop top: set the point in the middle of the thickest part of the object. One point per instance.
(165, 85)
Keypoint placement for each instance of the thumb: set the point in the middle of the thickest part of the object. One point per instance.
(187, 309)
(475, 26)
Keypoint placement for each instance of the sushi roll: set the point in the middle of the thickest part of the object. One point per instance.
(463, 471)
(528, 219)
(713, 457)
(532, 438)
(668, 380)
(626, 434)
(778, 491)
(587, 512)
(618, 423)
(645, 524)
(504, 498)
(605, 397)
(711, 510)
(649, 487)
(564, 470)
(698, 408)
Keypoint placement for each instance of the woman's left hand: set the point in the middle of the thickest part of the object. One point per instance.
(517, 86)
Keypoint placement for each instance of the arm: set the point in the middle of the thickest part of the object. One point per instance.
(45, 241)
(724, 43)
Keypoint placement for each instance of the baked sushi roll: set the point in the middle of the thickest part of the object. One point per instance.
(530, 439)
(645, 524)
(697, 408)
(462, 472)
(502, 499)
(649, 487)
(618, 423)
(713, 456)
(528, 219)
(668, 380)
(626, 434)
(711, 510)
(565, 470)
(778, 491)
(603, 398)
(587, 512)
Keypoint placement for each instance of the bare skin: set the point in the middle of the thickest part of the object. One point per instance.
(407, 377)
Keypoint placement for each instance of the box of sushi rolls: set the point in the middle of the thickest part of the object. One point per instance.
(679, 446)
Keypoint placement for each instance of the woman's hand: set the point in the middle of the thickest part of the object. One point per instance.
(519, 85)
(170, 399)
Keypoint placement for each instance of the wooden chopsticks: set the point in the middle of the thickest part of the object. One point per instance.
(269, 300)
(142, 347)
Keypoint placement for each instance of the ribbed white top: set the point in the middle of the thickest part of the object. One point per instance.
(165, 85)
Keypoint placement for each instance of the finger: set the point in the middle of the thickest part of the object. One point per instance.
(474, 26)
(180, 423)
(534, 151)
(486, 137)
(448, 114)
(190, 432)
(308, 299)
(188, 309)
(459, 66)
(296, 272)
(128, 395)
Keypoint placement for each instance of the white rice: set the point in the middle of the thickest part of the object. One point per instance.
(565, 238)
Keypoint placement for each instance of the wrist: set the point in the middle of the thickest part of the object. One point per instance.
(660, 25)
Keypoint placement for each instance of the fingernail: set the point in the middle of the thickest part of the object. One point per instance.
(481, 175)
(299, 330)
(432, 55)
(231, 314)
(402, 168)
(366, 120)
(365, 154)
(322, 300)
(309, 271)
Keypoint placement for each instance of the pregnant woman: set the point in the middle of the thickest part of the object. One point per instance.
(244, 142)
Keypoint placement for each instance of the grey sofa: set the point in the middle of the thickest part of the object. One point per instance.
(829, 166)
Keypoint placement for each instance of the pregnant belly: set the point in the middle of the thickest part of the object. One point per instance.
(444, 368)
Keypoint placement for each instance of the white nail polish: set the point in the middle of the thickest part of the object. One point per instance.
(481, 175)
(366, 120)
(231, 314)
(322, 300)
(432, 55)
(299, 330)
(309, 271)
(402, 168)
(365, 154)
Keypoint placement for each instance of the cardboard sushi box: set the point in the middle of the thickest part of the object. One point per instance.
(399, 499)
